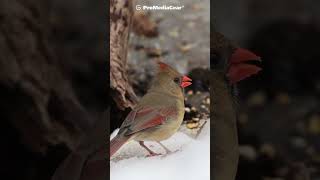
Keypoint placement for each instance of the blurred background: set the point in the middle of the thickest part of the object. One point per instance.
(53, 82)
(279, 121)
(180, 38)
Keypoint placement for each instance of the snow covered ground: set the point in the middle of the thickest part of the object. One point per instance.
(191, 161)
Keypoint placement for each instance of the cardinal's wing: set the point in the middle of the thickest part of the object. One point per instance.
(146, 117)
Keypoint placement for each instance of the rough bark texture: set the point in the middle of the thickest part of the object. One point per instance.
(143, 25)
(121, 13)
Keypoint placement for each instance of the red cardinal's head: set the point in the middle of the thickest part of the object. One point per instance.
(239, 67)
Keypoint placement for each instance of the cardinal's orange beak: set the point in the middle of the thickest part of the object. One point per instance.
(239, 67)
(185, 81)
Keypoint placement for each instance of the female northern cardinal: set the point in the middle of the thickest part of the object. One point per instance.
(159, 113)
(229, 65)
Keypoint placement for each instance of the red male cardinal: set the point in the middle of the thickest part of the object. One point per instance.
(159, 113)
(229, 65)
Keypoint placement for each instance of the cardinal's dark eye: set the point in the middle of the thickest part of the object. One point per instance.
(176, 80)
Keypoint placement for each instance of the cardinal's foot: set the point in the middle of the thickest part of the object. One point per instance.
(151, 153)
(164, 147)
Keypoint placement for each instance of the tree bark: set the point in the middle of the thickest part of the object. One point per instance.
(121, 13)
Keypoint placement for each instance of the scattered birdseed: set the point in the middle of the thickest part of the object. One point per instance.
(193, 109)
(192, 125)
(195, 119)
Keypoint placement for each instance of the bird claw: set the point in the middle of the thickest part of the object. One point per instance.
(163, 155)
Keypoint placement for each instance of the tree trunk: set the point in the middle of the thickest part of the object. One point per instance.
(121, 13)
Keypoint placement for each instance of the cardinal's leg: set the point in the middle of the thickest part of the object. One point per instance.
(164, 147)
(151, 153)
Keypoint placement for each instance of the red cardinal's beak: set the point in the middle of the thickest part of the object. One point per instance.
(239, 68)
(185, 81)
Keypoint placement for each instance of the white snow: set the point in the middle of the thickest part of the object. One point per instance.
(191, 161)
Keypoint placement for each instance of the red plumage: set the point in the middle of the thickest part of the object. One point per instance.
(147, 118)
(117, 142)
(158, 114)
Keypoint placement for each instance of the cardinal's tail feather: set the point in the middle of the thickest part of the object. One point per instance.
(117, 142)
